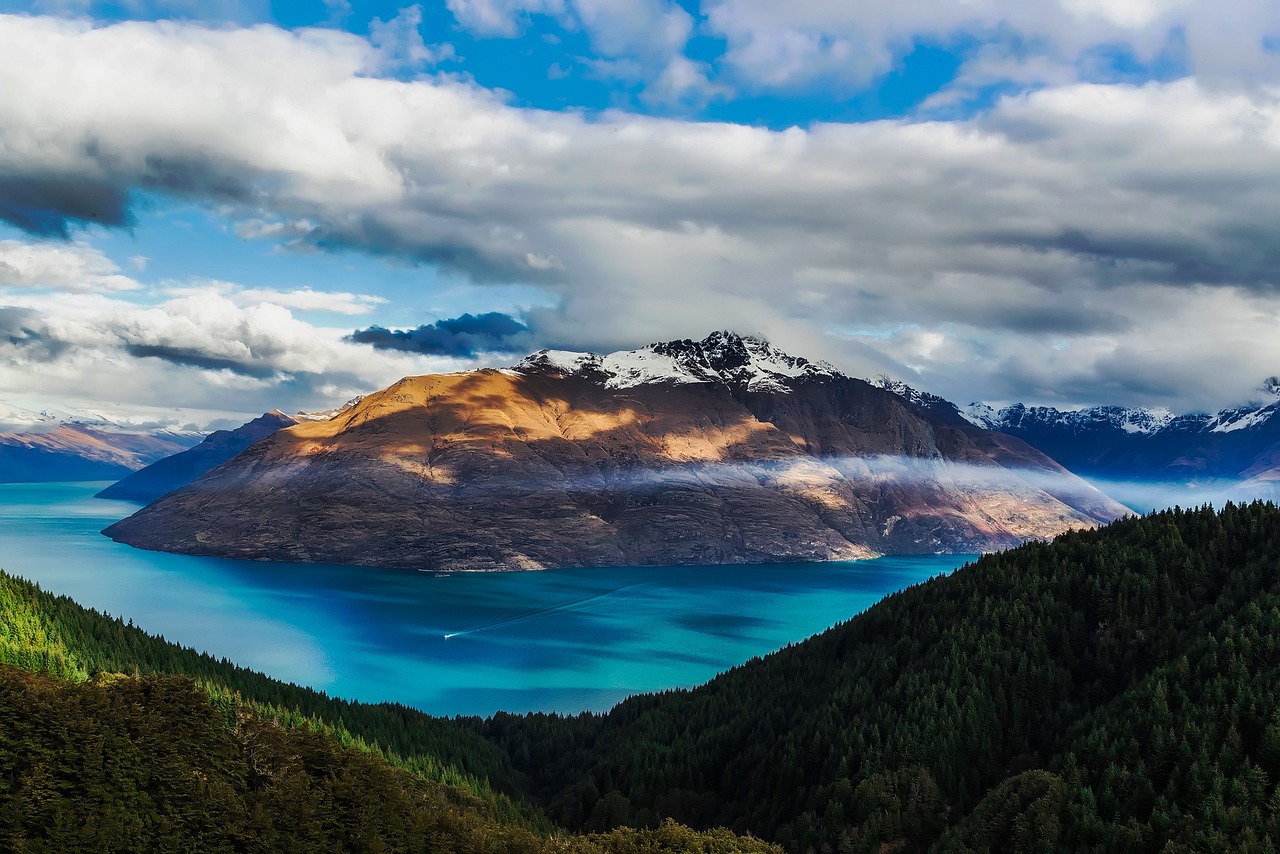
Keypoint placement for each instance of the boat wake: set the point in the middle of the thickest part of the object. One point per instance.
(559, 608)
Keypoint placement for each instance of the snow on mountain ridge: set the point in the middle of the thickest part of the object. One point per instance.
(1146, 420)
(21, 418)
(323, 415)
(15, 418)
(1130, 419)
(722, 357)
(979, 414)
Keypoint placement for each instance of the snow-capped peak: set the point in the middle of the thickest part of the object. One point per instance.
(41, 418)
(323, 415)
(19, 419)
(1150, 419)
(563, 362)
(742, 362)
(1130, 419)
(980, 414)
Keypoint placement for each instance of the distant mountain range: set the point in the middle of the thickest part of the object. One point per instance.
(63, 443)
(723, 450)
(1151, 457)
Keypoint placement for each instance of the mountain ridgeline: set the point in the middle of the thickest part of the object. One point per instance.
(1199, 456)
(174, 472)
(724, 450)
(82, 452)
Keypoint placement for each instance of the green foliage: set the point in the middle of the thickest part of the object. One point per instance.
(220, 758)
(53, 635)
(1115, 690)
(149, 764)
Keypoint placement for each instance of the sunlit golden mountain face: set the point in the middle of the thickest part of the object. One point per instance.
(719, 451)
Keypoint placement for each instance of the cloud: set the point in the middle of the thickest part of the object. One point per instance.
(194, 358)
(842, 47)
(400, 44)
(46, 205)
(306, 299)
(466, 336)
(634, 40)
(505, 18)
(1086, 242)
(24, 330)
(72, 268)
(198, 350)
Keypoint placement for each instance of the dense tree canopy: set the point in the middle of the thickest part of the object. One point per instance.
(1114, 690)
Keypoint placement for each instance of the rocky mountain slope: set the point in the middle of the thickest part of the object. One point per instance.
(168, 474)
(716, 451)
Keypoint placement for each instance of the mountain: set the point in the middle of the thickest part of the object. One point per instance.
(1194, 457)
(1114, 690)
(169, 473)
(63, 443)
(724, 450)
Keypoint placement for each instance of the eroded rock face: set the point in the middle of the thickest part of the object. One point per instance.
(543, 467)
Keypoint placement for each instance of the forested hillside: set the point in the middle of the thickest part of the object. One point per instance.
(100, 752)
(1115, 690)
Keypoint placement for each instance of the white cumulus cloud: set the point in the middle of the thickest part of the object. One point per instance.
(68, 267)
(1058, 227)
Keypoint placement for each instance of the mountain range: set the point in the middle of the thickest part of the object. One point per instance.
(1151, 457)
(724, 450)
(63, 443)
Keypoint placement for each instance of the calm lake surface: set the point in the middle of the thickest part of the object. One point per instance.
(469, 643)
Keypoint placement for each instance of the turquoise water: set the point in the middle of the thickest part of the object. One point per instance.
(557, 640)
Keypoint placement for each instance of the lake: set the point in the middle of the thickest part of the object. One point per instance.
(563, 640)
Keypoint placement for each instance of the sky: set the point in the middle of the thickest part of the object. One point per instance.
(213, 208)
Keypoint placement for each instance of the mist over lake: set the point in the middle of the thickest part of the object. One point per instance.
(470, 643)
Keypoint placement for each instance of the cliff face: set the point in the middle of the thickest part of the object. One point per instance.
(550, 466)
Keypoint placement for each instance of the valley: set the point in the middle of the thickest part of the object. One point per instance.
(558, 640)
(1114, 689)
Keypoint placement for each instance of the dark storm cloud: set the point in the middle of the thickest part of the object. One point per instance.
(48, 205)
(192, 358)
(464, 336)
(1239, 254)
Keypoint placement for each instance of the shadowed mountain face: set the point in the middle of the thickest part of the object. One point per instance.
(168, 474)
(1198, 457)
(634, 458)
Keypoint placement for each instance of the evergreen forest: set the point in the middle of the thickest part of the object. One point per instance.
(1114, 690)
